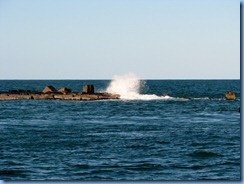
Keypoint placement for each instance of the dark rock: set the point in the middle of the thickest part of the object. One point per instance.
(88, 89)
(13, 91)
(165, 94)
(19, 91)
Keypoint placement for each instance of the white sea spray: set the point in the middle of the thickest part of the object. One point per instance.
(128, 87)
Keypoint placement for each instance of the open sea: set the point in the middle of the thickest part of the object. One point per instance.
(192, 135)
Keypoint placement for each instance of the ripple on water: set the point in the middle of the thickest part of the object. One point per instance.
(123, 140)
(204, 154)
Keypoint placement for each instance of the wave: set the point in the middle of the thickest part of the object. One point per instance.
(128, 87)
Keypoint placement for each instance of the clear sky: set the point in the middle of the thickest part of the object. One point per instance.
(97, 39)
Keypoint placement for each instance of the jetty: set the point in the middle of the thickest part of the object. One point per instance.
(50, 93)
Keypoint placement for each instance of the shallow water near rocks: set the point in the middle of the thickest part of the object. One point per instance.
(193, 136)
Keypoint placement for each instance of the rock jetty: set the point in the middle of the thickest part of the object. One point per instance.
(50, 93)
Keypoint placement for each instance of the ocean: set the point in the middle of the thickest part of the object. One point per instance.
(192, 133)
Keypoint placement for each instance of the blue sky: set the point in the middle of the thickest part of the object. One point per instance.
(97, 39)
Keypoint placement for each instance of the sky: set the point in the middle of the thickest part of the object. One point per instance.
(97, 39)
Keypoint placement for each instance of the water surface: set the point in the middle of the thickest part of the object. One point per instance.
(193, 136)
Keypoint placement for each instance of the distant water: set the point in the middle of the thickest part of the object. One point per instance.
(194, 134)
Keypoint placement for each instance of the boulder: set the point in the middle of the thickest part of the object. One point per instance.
(88, 89)
(230, 96)
(49, 89)
(65, 91)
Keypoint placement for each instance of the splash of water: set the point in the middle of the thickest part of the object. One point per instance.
(128, 87)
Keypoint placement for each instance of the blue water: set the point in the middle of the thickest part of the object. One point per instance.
(175, 139)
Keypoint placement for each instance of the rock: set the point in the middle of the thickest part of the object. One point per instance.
(88, 89)
(50, 95)
(19, 91)
(49, 89)
(7, 97)
(13, 91)
(230, 96)
(65, 91)
(42, 96)
(108, 96)
(165, 94)
(67, 97)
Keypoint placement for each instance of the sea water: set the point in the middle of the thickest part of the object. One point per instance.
(192, 133)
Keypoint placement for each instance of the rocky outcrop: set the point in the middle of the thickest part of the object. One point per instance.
(50, 93)
(88, 89)
(49, 89)
(64, 91)
(59, 96)
(230, 96)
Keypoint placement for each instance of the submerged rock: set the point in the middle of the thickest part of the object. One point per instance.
(165, 94)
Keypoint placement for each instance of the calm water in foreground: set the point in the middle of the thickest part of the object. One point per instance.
(193, 136)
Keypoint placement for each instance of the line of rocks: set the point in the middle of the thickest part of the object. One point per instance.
(50, 93)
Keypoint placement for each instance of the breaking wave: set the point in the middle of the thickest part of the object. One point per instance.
(128, 87)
